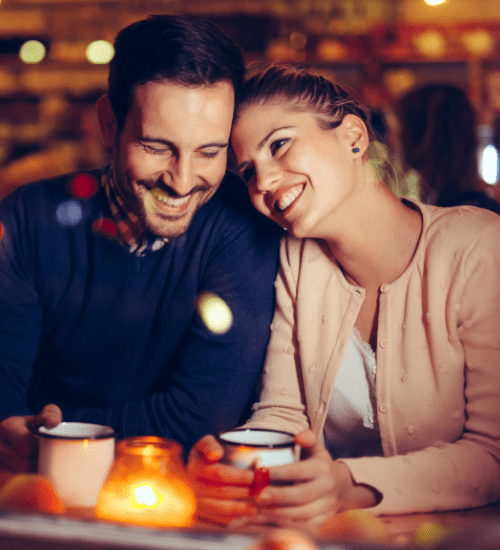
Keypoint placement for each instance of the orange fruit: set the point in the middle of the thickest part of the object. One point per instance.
(31, 492)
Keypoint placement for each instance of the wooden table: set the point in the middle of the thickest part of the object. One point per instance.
(79, 530)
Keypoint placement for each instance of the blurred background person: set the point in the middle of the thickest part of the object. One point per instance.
(438, 139)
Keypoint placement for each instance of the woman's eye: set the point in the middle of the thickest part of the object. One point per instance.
(248, 174)
(275, 145)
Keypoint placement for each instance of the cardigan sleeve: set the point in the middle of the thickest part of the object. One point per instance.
(464, 473)
(281, 399)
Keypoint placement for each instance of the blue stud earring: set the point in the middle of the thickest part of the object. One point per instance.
(355, 149)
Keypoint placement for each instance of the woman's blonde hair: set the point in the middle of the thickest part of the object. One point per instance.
(304, 89)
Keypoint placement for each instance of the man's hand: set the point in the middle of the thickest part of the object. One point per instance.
(223, 492)
(18, 444)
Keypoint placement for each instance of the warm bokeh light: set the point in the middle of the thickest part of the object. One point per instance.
(431, 43)
(434, 2)
(100, 52)
(214, 312)
(330, 49)
(2, 231)
(479, 42)
(32, 51)
(399, 81)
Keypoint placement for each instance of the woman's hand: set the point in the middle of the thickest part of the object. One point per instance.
(322, 487)
(223, 492)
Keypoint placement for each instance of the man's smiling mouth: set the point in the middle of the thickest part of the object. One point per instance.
(167, 199)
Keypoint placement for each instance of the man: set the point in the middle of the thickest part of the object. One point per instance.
(100, 274)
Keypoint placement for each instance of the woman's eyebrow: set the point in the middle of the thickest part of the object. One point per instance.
(262, 143)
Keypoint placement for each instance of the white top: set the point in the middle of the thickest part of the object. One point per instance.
(351, 427)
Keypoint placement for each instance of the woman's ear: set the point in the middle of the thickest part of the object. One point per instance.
(354, 130)
(107, 121)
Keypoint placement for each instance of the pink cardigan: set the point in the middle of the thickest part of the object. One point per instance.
(438, 361)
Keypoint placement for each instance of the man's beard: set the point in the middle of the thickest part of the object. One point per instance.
(159, 224)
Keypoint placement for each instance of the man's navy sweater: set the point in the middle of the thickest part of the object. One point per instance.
(116, 339)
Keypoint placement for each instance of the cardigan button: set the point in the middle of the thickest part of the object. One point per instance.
(383, 407)
(383, 343)
(384, 287)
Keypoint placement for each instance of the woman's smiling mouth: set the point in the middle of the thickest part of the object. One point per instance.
(287, 197)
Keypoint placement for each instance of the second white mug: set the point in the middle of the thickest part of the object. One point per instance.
(252, 448)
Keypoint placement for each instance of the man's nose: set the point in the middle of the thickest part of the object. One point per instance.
(181, 176)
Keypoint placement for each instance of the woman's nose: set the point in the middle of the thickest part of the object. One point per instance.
(267, 178)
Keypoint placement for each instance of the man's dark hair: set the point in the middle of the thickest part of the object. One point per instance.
(187, 50)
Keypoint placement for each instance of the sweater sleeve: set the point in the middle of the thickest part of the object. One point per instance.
(465, 473)
(281, 403)
(20, 311)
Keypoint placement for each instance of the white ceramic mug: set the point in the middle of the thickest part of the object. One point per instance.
(252, 448)
(76, 456)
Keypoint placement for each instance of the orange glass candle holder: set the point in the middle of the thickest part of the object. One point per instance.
(147, 485)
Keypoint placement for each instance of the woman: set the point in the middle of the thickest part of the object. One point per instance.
(386, 335)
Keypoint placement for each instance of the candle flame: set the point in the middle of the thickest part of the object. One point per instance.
(145, 496)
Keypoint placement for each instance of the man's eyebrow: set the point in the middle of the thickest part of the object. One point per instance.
(262, 143)
(168, 143)
(215, 144)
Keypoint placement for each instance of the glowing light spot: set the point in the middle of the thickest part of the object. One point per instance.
(32, 51)
(145, 496)
(100, 52)
(83, 186)
(429, 533)
(214, 312)
(489, 164)
(69, 212)
(479, 42)
(434, 2)
(430, 43)
(2, 231)
(105, 227)
(330, 49)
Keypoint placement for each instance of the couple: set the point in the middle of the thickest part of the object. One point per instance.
(386, 333)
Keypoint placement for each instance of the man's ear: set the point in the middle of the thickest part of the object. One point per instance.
(107, 121)
(355, 132)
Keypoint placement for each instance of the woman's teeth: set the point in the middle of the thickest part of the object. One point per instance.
(290, 197)
(161, 196)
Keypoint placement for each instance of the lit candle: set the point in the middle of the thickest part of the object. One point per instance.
(147, 485)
